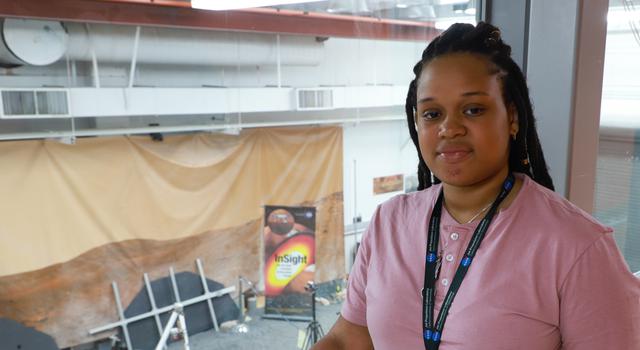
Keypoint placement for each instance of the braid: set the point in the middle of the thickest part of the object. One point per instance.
(525, 153)
(424, 174)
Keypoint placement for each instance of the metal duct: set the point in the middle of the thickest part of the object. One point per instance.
(37, 43)
(169, 46)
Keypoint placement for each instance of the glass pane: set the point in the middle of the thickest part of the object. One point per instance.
(201, 112)
(617, 197)
(442, 12)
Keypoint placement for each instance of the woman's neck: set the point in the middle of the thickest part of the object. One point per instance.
(464, 202)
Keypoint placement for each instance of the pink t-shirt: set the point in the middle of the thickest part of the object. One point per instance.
(547, 276)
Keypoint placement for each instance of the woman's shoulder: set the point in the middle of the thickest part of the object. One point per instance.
(556, 213)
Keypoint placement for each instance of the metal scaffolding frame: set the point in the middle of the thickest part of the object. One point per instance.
(155, 311)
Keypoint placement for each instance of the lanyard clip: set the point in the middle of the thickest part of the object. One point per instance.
(432, 335)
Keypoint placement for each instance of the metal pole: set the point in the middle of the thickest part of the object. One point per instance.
(134, 60)
(152, 300)
(278, 63)
(125, 330)
(176, 293)
(68, 61)
(182, 326)
(186, 128)
(167, 330)
(313, 315)
(163, 310)
(94, 60)
(74, 73)
(240, 299)
(375, 63)
(72, 139)
(212, 312)
(355, 194)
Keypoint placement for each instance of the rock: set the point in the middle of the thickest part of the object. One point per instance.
(228, 325)
(323, 301)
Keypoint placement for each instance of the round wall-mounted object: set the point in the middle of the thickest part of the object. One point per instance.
(33, 42)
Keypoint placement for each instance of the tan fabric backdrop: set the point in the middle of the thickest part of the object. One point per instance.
(75, 217)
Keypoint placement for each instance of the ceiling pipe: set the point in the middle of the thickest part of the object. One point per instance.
(155, 45)
(158, 45)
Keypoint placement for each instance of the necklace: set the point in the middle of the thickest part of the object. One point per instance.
(478, 213)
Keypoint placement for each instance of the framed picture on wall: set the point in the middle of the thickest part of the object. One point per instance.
(385, 184)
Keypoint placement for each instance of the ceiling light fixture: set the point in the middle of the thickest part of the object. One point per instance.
(223, 5)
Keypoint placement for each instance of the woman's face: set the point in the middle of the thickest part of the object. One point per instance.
(462, 122)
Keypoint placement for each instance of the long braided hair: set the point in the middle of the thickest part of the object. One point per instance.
(525, 152)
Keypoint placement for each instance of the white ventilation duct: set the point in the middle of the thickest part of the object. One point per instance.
(44, 42)
(129, 102)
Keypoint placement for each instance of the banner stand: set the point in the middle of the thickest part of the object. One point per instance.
(289, 265)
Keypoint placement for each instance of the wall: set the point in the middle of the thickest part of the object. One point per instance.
(378, 149)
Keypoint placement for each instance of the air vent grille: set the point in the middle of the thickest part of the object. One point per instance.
(314, 99)
(34, 104)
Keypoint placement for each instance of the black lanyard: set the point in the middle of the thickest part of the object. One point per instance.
(432, 333)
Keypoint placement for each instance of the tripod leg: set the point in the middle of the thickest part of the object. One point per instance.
(317, 332)
(167, 330)
(307, 340)
(313, 334)
(183, 329)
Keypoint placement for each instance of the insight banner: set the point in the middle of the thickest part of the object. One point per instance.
(289, 250)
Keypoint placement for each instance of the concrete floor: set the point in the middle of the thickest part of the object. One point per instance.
(263, 334)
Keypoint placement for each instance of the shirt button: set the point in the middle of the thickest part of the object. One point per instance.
(449, 257)
(445, 282)
(455, 236)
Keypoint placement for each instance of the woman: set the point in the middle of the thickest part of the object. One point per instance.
(511, 264)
